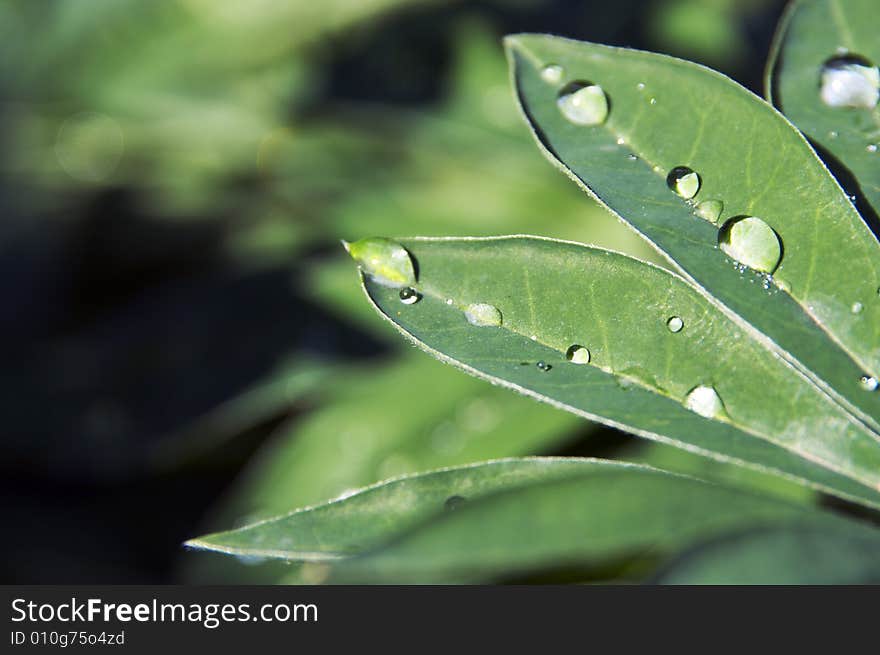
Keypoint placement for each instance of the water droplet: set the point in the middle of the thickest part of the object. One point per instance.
(832, 134)
(453, 503)
(577, 354)
(653, 101)
(552, 73)
(632, 157)
(782, 285)
(684, 181)
(583, 103)
(620, 140)
(640, 86)
(856, 308)
(385, 261)
(675, 324)
(850, 81)
(751, 242)
(543, 366)
(483, 315)
(710, 210)
(705, 401)
(409, 296)
(449, 301)
(869, 383)
(871, 147)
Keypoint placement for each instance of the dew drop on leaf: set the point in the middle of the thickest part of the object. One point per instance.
(856, 308)
(705, 401)
(869, 383)
(483, 315)
(675, 324)
(552, 73)
(453, 503)
(850, 81)
(577, 354)
(751, 242)
(583, 103)
(543, 366)
(684, 181)
(710, 210)
(409, 296)
(385, 261)
(871, 147)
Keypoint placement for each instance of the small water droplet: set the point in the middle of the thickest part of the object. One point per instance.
(640, 86)
(543, 366)
(653, 101)
(850, 81)
(871, 147)
(409, 296)
(782, 285)
(453, 503)
(832, 134)
(449, 301)
(710, 210)
(620, 140)
(583, 103)
(577, 354)
(869, 383)
(483, 315)
(675, 324)
(856, 308)
(705, 401)
(751, 242)
(552, 73)
(632, 157)
(684, 181)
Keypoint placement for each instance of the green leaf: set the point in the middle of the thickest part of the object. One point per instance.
(378, 425)
(798, 554)
(668, 116)
(478, 522)
(361, 521)
(811, 34)
(664, 362)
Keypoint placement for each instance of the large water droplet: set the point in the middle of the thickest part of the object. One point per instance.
(583, 103)
(675, 324)
(409, 296)
(850, 81)
(684, 181)
(751, 242)
(483, 315)
(385, 261)
(552, 73)
(453, 503)
(869, 383)
(577, 354)
(710, 210)
(705, 401)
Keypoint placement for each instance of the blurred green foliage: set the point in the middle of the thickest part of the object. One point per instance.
(175, 178)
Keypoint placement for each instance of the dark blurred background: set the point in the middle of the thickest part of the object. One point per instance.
(184, 345)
